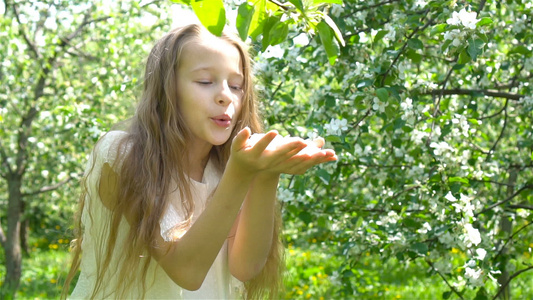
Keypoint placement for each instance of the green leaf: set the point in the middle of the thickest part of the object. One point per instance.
(244, 19)
(305, 217)
(258, 19)
(364, 83)
(463, 57)
(439, 28)
(333, 138)
(267, 29)
(383, 94)
(278, 33)
(333, 26)
(298, 3)
(459, 179)
(483, 22)
(414, 57)
(420, 248)
(184, 2)
(475, 48)
(446, 295)
(211, 14)
(316, 2)
(329, 43)
(324, 176)
(415, 43)
(483, 37)
(521, 49)
(380, 35)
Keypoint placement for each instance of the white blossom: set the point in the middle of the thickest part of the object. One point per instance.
(391, 34)
(285, 195)
(336, 127)
(467, 19)
(481, 253)
(447, 239)
(474, 276)
(472, 235)
(441, 147)
(378, 105)
(336, 10)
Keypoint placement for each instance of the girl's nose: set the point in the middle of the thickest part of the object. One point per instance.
(225, 95)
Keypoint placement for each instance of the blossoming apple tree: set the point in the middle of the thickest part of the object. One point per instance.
(429, 106)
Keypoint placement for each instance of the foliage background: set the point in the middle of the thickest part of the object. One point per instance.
(428, 104)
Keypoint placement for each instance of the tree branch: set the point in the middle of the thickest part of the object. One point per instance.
(355, 10)
(471, 92)
(281, 5)
(30, 44)
(490, 181)
(521, 206)
(529, 186)
(444, 278)
(48, 188)
(493, 115)
(502, 288)
(509, 239)
(3, 159)
(506, 117)
(403, 48)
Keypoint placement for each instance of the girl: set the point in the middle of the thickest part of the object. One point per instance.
(182, 204)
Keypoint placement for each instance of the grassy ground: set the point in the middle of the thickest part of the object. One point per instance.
(310, 275)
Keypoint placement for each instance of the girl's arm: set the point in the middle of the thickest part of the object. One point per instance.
(187, 260)
(251, 236)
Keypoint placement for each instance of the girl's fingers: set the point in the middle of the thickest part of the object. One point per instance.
(291, 147)
(239, 141)
(262, 144)
(319, 142)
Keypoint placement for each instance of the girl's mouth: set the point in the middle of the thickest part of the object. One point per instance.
(222, 120)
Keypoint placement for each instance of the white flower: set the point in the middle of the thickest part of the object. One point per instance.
(440, 147)
(285, 195)
(450, 197)
(336, 127)
(472, 235)
(474, 276)
(378, 105)
(481, 253)
(407, 104)
(274, 51)
(467, 19)
(391, 35)
(336, 10)
(447, 239)
(301, 40)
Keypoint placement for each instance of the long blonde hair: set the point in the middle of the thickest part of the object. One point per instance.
(157, 150)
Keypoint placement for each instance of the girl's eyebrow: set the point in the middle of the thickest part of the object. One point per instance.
(199, 69)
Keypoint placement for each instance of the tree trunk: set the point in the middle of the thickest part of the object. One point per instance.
(12, 248)
(24, 235)
(506, 226)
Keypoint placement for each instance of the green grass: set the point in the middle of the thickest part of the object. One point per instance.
(310, 275)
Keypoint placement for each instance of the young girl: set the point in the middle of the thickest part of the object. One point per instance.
(182, 205)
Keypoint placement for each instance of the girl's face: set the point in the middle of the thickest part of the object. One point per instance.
(210, 89)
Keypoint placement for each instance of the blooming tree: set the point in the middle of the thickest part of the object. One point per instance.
(429, 107)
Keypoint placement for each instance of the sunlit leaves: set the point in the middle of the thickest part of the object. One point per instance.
(244, 19)
(328, 41)
(211, 13)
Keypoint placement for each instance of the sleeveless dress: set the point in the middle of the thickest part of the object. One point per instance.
(218, 284)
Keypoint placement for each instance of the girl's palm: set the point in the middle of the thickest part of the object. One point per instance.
(289, 155)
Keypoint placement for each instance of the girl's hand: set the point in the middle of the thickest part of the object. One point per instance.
(285, 155)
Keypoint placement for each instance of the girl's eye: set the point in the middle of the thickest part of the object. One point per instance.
(236, 88)
(204, 82)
